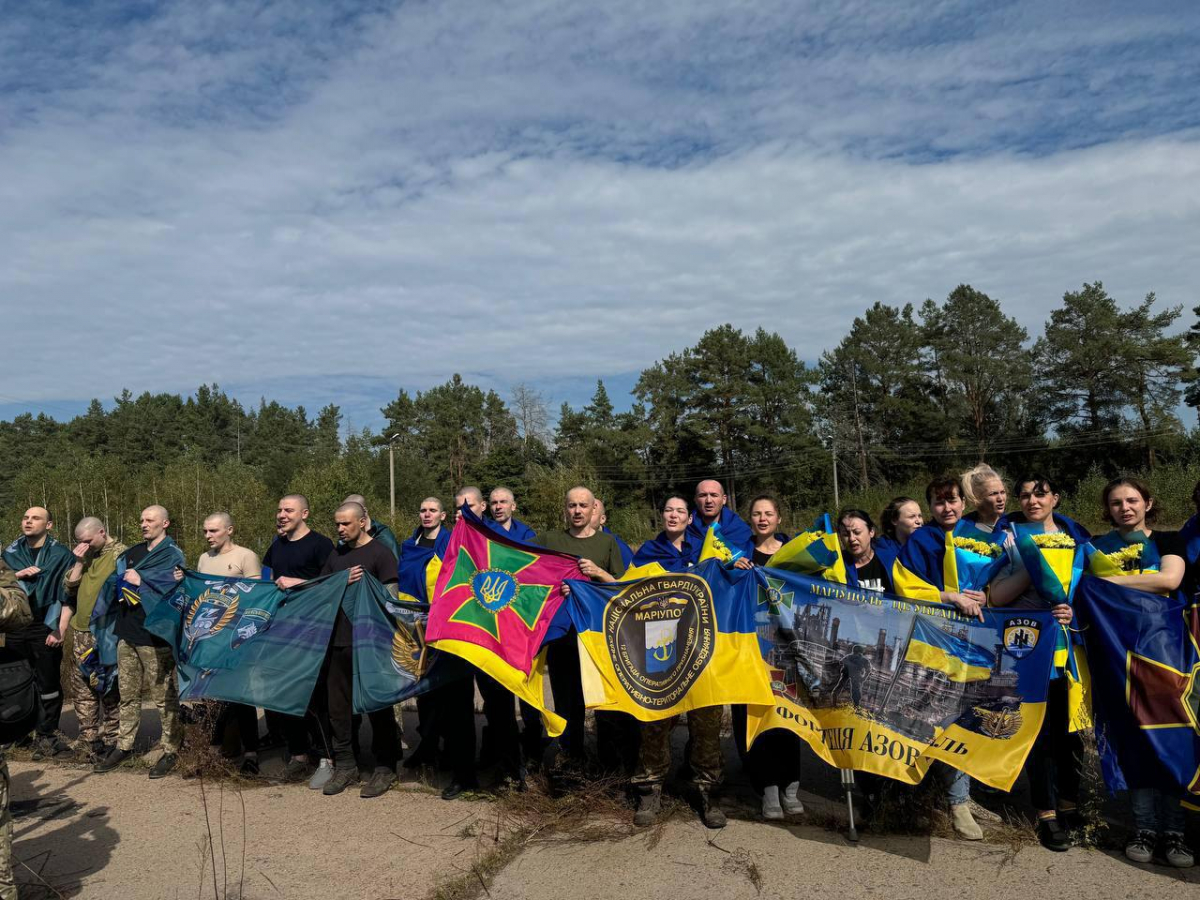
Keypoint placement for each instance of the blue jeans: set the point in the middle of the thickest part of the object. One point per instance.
(1155, 810)
(956, 782)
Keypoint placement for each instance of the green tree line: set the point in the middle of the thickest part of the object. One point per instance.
(908, 392)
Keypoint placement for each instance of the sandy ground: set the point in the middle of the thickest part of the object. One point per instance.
(121, 835)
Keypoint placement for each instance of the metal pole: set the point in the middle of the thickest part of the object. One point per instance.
(837, 500)
(848, 784)
(392, 477)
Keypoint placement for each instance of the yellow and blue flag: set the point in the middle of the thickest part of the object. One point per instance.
(716, 547)
(935, 560)
(954, 656)
(662, 645)
(815, 552)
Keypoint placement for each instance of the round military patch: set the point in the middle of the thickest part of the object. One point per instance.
(494, 589)
(661, 633)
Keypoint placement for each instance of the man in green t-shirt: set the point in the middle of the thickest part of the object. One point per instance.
(96, 555)
(599, 555)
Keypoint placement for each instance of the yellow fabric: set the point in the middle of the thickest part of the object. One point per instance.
(712, 548)
(936, 658)
(529, 688)
(432, 569)
(848, 741)
(643, 571)
(1079, 694)
(913, 587)
(735, 674)
(795, 556)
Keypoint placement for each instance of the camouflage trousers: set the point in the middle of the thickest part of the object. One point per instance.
(704, 743)
(150, 670)
(8, 887)
(97, 715)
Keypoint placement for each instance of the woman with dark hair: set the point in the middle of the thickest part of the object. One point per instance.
(864, 566)
(1057, 752)
(1151, 561)
(764, 528)
(670, 548)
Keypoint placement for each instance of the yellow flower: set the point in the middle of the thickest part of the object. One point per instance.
(1127, 557)
(982, 548)
(1058, 540)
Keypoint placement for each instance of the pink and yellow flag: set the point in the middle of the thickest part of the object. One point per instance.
(493, 604)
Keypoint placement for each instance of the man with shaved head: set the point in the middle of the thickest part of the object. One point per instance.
(600, 523)
(41, 563)
(144, 661)
(599, 560)
(377, 530)
(471, 497)
(97, 700)
(710, 508)
(358, 553)
(297, 555)
(502, 505)
(225, 559)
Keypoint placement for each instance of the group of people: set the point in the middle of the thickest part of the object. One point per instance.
(63, 585)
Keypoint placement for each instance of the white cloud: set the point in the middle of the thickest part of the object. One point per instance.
(529, 191)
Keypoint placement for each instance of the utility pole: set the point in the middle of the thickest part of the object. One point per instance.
(392, 471)
(837, 500)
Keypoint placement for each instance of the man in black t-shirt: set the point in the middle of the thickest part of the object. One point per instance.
(357, 553)
(295, 556)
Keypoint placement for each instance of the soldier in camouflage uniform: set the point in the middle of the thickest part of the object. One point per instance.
(14, 615)
(96, 559)
(654, 759)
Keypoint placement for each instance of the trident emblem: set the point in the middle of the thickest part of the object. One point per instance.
(494, 589)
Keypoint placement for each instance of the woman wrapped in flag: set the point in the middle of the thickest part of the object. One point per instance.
(773, 763)
(899, 521)
(1137, 556)
(670, 550)
(1049, 552)
(866, 567)
(984, 489)
(951, 561)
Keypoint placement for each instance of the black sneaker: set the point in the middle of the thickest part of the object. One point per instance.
(297, 770)
(378, 784)
(165, 764)
(342, 779)
(1176, 851)
(114, 758)
(1141, 848)
(1052, 835)
(456, 789)
(249, 768)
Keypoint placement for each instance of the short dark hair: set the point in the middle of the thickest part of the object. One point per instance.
(1039, 481)
(944, 487)
(1138, 485)
(891, 513)
(856, 514)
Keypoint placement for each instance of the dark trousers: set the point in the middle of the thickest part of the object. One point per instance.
(618, 740)
(774, 760)
(562, 657)
(246, 718)
(1054, 759)
(500, 711)
(47, 678)
(456, 723)
(338, 677)
(533, 734)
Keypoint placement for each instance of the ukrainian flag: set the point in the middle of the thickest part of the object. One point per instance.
(816, 553)
(659, 646)
(714, 546)
(956, 657)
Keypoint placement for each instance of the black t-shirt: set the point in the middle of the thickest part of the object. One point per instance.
(130, 624)
(423, 541)
(374, 557)
(873, 576)
(304, 558)
(1169, 543)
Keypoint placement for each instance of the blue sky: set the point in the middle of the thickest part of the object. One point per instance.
(324, 202)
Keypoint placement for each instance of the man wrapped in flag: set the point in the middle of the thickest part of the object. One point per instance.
(710, 509)
(668, 644)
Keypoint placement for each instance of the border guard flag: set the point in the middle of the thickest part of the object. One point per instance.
(669, 643)
(493, 604)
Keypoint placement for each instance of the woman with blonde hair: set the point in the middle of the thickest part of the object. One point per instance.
(983, 488)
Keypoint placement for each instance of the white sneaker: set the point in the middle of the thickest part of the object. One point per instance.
(792, 804)
(321, 777)
(770, 807)
(964, 823)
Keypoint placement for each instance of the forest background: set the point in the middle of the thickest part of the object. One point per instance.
(908, 393)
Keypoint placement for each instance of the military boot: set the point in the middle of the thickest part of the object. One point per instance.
(712, 814)
(649, 806)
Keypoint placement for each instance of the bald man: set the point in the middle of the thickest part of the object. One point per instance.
(377, 530)
(502, 505)
(599, 560)
(225, 559)
(144, 661)
(357, 553)
(471, 497)
(600, 523)
(95, 555)
(41, 563)
(710, 506)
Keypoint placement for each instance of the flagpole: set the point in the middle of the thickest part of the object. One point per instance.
(899, 664)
